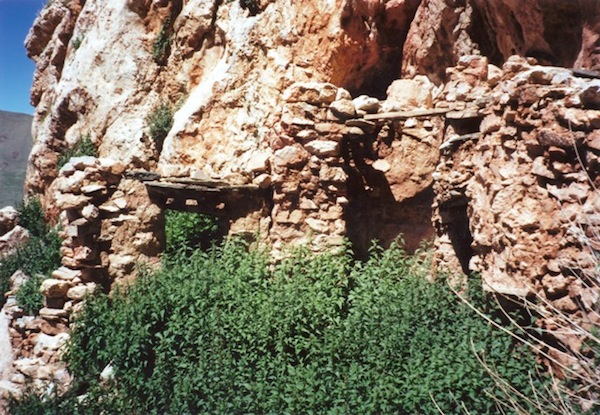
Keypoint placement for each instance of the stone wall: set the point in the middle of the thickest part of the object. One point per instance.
(337, 174)
(517, 203)
(109, 226)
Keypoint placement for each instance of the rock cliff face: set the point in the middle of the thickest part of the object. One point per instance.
(314, 121)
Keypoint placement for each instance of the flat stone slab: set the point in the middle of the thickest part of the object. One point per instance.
(585, 73)
(464, 114)
(199, 182)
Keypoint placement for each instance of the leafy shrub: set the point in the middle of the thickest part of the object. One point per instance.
(37, 258)
(159, 123)
(83, 147)
(188, 231)
(29, 296)
(222, 331)
(8, 266)
(40, 255)
(32, 217)
(162, 45)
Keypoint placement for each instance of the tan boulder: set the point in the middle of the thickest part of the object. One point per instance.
(404, 94)
(311, 92)
(53, 288)
(12, 239)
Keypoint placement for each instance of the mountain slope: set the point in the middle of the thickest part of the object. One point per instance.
(15, 145)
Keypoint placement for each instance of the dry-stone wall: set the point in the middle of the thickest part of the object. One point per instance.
(109, 225)
(109, 222)
(337, 174)
(518, 202)
(309, 182)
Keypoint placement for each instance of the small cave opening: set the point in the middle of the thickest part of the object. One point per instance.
(503, 33)
(481, 32)
(375, 81)
(454, 220)
(563, 29)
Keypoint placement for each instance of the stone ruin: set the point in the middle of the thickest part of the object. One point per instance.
(500, 167)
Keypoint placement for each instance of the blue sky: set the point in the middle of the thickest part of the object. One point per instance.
(16, 69)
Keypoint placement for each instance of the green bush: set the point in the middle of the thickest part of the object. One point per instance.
(32, 217)
(39, 256)
(29, 296)
(159, 123)
(224, 332)
(188, 230)
(83, 147)
(162, 45)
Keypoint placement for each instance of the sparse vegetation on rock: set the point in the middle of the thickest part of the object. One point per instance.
(159, 123)
(36, 258)
(162, 45)
(77, 42)
(83, 147)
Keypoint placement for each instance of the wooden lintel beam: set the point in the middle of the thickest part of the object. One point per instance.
(403, 115)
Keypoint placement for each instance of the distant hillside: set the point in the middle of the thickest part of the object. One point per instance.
(15, 145)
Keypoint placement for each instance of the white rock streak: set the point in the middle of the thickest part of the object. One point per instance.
(5, 348)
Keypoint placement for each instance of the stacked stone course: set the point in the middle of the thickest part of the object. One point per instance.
(108, 225)
(518, 204)
(309, 181)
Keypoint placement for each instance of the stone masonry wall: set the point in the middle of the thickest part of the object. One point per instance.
(518, 201)
(109, 225)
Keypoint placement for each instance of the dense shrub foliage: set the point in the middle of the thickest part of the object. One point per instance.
(189, 231)
(159, 123)
(32, 218)
(224, 332)
(83, 147)
(36, 258)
